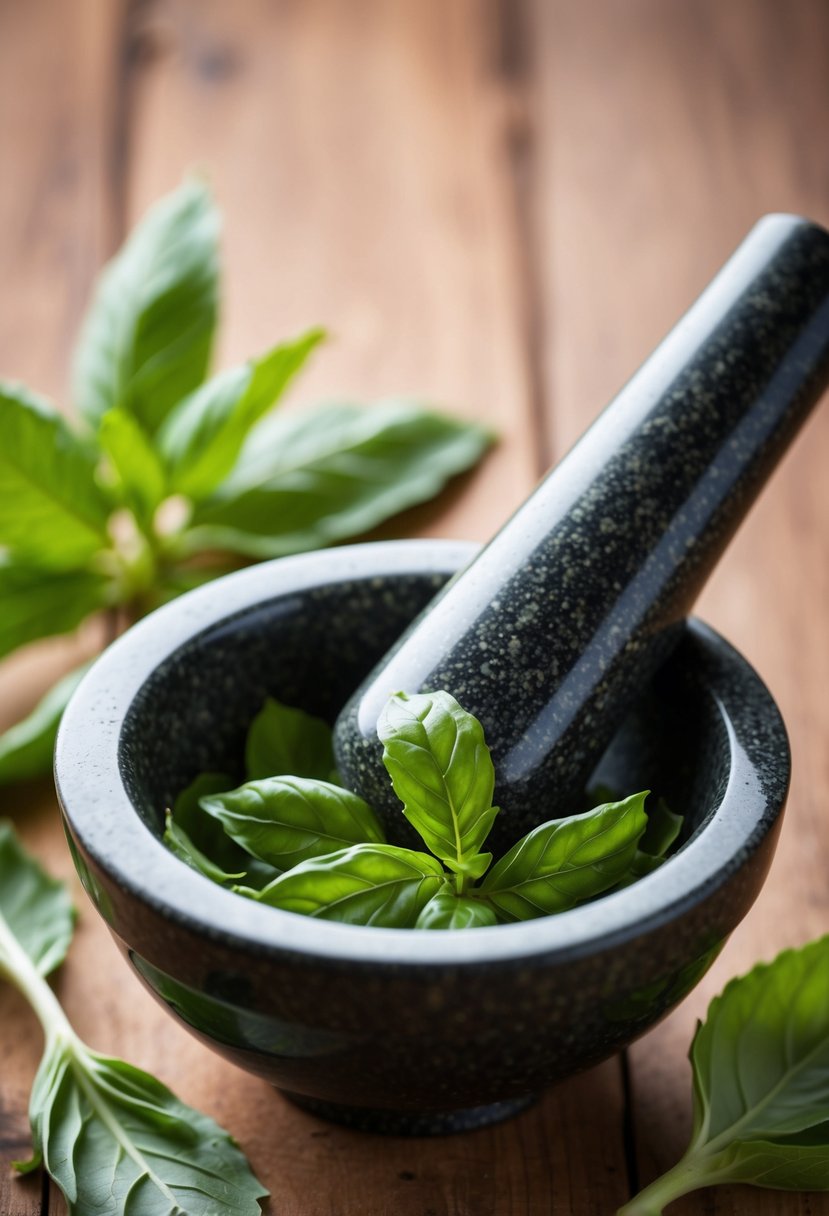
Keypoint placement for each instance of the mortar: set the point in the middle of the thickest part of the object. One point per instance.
(411, 1031)
(387, 1029)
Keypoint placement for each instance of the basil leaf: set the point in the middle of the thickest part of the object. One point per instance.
(51, 511)
(115, 1140)
(663, 828)
(761, 1084)
(441, 770)
(287, 820)
(180, 844)
(35, 908)
(787, 1164)
(282, 739)
(26, 748)
(138, 472)
(202, 437)
(204, 833)
(567, 861)
(761, 1059)
(147, 338)
(36, 603)
(661, 832)
(446, 910)
(642, 865)
(368, 884)
(309, 479)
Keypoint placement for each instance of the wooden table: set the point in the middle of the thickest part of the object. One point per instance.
(498, 206)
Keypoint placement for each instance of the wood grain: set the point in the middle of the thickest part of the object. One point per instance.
(500, 207)
(57, 78)
(668, 129)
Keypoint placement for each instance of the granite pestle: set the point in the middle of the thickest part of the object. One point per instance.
(550, 633)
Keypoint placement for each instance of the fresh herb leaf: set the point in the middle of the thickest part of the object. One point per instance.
(202, 437)
(138, 474)
(567, 861)
(309, 479)
(761, 1084)
(441, 770)
(642, 865)
(282, 739)
(147, 338)
(37, 603)
(111, 509)
(446, 910)
(204, 833)
(662, 831)
(26, 748)
(35, 910)
(287, 820)
(113, 1138)
(51, 510)
(180, 844)
(367, 884)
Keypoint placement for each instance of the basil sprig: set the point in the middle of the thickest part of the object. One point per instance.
(326, 849)
(168, 477)
(111, 1136)
(761, 1084)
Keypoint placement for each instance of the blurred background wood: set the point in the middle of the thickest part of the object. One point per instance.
(501, 207)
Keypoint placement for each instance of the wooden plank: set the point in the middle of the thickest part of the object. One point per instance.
(359, 167)
(669, 129)
(365, 172)
(56, 102)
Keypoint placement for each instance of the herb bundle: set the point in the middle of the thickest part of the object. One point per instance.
(113, 1137)
(299, 841)
(168, 478)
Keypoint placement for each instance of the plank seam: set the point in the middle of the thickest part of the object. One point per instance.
(516, 67)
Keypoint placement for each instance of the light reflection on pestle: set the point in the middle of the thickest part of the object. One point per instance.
(552, 631)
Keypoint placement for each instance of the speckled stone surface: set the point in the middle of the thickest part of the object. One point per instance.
(558, 624)
(399, 1030)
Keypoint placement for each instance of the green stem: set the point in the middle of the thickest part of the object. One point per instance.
(19, 969)
(687, 1175)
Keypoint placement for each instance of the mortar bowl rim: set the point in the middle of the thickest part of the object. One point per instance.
(101, 817)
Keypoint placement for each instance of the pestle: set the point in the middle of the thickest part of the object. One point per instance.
(550, 633)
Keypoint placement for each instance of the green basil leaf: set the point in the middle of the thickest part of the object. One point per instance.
(761, 1084)
(642, 865)
(441, 770)
(180, 844)
(113, 1138)
(282, 739)
(664, 826)
(26, 748)
(51, 510)
(139, 476)
(36, 908)
(761, 1059)
(147, 338)
(367, 884)
(37, 603)
(202, 437)
(446, 910)
(567, 861)
(287, 820)
(787, 1164)
(309, 479)
(661, 832)
(204, 833)
(116, 1140)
